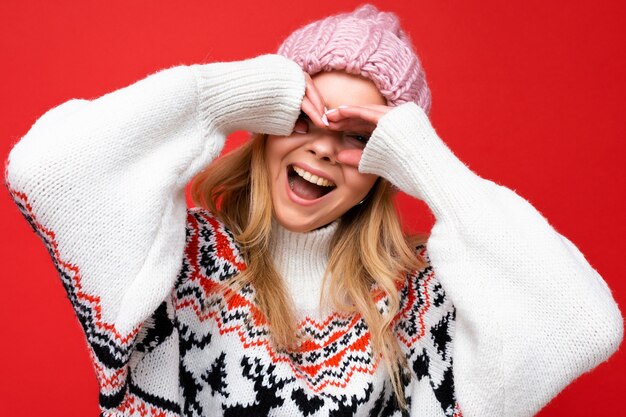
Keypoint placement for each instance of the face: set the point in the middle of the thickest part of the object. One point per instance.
(299, 205)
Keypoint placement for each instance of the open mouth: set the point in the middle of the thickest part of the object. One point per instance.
(308, 186)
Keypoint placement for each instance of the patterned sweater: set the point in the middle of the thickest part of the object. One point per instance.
(506, 313)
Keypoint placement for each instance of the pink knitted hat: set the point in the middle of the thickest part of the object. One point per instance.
(365, 42)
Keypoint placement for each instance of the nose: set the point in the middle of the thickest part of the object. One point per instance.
(325, 145)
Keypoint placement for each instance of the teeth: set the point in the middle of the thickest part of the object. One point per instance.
(313, 178)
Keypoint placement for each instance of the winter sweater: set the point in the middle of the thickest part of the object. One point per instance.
(506, 313)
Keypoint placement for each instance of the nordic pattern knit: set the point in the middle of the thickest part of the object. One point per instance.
(505, 315)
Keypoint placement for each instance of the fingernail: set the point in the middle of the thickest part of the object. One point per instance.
(330, 111)
(343, 106)
(299, 131)
(325, 120)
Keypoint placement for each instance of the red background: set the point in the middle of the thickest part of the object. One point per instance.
(529, 94)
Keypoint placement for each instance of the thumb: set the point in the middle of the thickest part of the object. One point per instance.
(350, 157)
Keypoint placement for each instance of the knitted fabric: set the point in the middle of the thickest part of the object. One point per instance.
(365, 42)
(505, 313)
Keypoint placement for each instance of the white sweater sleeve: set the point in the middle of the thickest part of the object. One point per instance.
(531, 313)
(103, 181)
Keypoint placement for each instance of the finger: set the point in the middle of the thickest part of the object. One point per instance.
(353, 125)
(350, 157)
(379, 107)
(368, 113)
(311, 111)
(314, 95)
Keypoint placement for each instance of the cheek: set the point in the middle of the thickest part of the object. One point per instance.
(279, 146)
(360, 184)
(275, 150)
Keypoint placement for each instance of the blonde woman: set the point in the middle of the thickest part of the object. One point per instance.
(290, 289)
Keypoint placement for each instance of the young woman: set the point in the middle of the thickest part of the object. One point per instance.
(290, 290)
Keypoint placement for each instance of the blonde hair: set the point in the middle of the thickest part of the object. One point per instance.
(369, 247)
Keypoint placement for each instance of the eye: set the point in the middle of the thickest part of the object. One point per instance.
(304, 116)
(302, 123)
(359, 137)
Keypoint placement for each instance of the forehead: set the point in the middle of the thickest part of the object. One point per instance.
(339, 87)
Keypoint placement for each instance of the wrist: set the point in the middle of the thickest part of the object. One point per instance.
(405, 149)
(261, 94)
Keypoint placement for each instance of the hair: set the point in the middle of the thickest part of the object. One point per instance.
(369, 248)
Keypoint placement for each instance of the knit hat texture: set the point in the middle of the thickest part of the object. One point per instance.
(364, 42)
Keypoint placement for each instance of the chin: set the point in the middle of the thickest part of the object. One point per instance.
(294, 226)
(297, 222)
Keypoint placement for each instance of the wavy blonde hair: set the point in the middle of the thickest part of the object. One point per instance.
(369, 247)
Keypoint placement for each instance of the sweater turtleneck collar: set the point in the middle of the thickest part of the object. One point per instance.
(301, 259)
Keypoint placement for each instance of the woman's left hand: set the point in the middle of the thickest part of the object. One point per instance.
(363, 118)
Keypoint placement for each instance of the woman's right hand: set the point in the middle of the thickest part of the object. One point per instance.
(313, 106)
